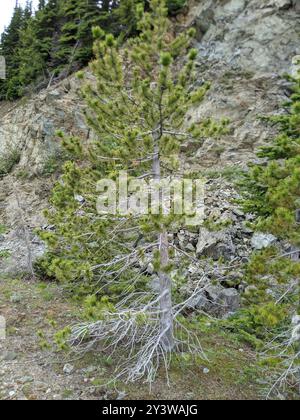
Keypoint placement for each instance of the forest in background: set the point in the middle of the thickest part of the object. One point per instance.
(56, 40)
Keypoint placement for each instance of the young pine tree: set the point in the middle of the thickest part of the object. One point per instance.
(272, 193)
(137, 111)
(272, 188)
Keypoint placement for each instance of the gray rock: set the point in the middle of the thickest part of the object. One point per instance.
(296, 320)
(190, 247)
(52, 96)
(10, 356)
(15, 298)
(68, 369)
(121, 395)
(262, 240)
(26, 379)
(215, 244)
(90, 369)
(203, 22)
(230, 300)
(216, 300)
(150, 269)
(283, 4)
(213, 292)
(207, 241)
(199, 301)
(18, 261)
(79, 198)
(47, 128)
(296, 329)
(154, 284)
(238, 212)
(246, 230)
(227, 250)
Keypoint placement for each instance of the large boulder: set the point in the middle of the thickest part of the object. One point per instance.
(262, 240)
(244, 48)
(29, 128)
(229, 300)
(283, 4)
(215, 244)
(215, 300)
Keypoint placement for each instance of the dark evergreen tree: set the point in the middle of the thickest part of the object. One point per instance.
(35, 51)
(47, 29)
(32, 62)
(125, 18)
(75, 41)
(10, 41)
(27, 12)
(175, 6)
(42, 4)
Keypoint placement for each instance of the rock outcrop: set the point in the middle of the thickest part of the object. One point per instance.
(30, 152)
(28, 128)
(245, 48)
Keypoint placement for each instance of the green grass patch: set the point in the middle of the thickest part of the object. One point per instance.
(8, 162)
(3, 229)
(4, 254)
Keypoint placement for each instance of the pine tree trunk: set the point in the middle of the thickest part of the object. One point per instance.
(165, 283)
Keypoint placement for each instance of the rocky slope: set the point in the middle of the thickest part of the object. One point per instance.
(245, 47)
(30, 153)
